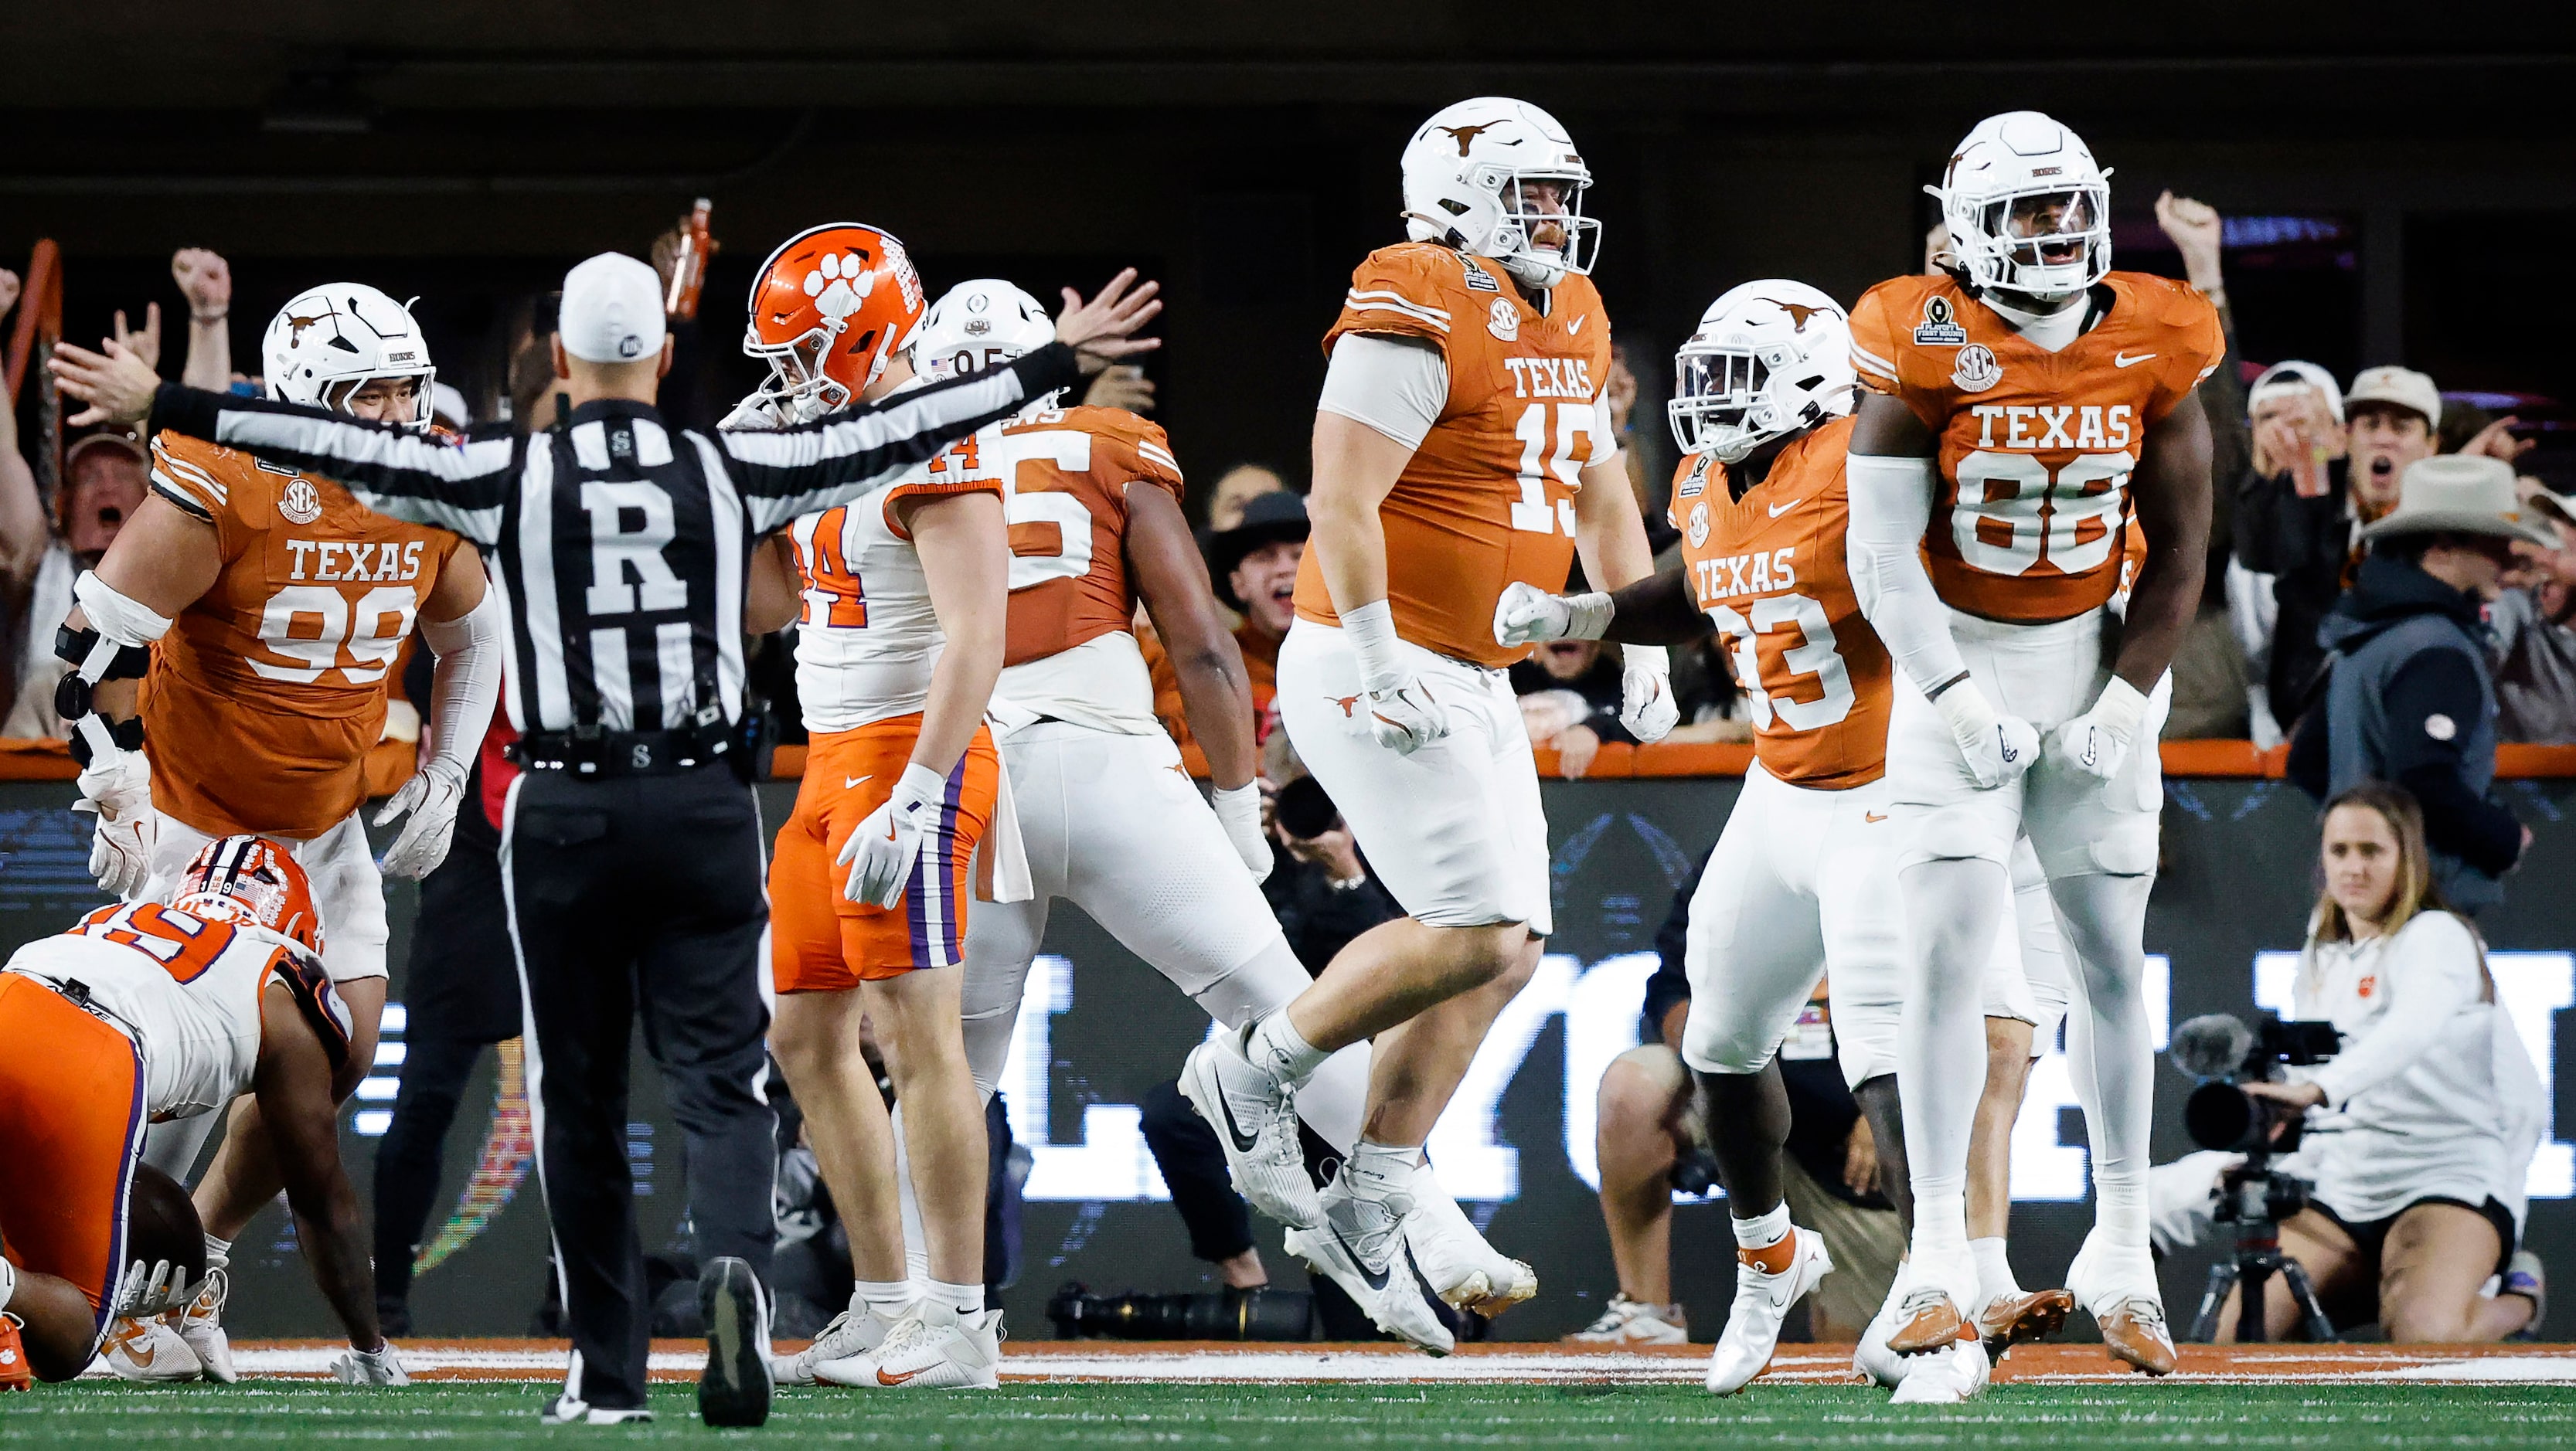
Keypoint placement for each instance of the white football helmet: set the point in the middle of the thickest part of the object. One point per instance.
(2019, 188)
(1767, 359)
(1463, 184)
(329, 339)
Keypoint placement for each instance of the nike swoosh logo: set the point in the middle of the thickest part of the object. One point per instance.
(850, 783)
(1375, 1281)
(1873, 816)
(884, 1379)
(1779, 509)
(1243, 1143)
(1575, 326)
(2123, 360)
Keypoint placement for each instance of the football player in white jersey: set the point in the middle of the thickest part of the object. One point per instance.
(144, 1012)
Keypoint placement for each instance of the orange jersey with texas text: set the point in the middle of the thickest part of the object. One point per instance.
(265, 696)
(1067, 472)
(2036, 447)
(1769, 571)
(1488, 498)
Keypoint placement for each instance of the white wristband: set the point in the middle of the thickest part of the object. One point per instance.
(1372, 631)
(1587, 617)
(921, 783)
(1647, 657)
(2121, 707)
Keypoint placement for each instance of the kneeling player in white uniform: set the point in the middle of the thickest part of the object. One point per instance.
(2028, 413)
(1799, 882)
(149, 1013)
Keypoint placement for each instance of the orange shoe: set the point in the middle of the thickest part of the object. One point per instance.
(2135, 1332)
(15, 1373)
(1932, 1320)
(2009, 1320)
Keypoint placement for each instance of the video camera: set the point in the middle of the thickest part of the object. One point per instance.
(2222, 1052)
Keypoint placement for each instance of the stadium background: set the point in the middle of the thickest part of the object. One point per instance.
(1516, 1146)
(2399, 187)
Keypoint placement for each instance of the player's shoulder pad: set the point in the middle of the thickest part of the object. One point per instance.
(1691, 479)
(210, 481)
(301, 973)
(1415, 289)
(1899, 315)
(1143, 448)
(2182, 313)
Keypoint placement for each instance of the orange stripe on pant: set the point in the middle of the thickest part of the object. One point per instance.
(71, 1124)
(820, 940)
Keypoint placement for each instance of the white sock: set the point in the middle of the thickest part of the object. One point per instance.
(966, 1300)
(1763, 1230)
(1994, 1268)
(219, 1252)
(1276, 1047)
(1953, 910)
(1376, 1170)
(2114, 1061)
(886, 1297)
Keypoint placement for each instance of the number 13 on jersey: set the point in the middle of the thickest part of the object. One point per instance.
(1571, 434)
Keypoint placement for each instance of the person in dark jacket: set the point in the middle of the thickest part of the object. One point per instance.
(2410, 697)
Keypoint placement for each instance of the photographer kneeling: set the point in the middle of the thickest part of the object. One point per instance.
(2412, 1172)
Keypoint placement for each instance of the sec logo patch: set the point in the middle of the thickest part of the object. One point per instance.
(1504, 320)
(1699, 524)
(300, 502)
(1976, 370)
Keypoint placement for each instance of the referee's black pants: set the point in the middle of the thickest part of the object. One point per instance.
(640, 894)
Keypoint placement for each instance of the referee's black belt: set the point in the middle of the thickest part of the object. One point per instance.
(591, 752)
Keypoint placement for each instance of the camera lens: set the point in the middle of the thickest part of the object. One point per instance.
(2225, 1117)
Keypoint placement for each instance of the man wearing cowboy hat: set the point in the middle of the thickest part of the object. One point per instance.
(1253, 566)
(2409, 696)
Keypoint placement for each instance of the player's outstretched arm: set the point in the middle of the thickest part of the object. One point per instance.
(2171, 492)
(1657, 610)
(463, 622)
(295, 1086)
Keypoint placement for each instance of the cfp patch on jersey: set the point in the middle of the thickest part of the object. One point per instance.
(1697, 484)
(1976, 370)
(1938, 329)
(300, 502)
(1478, 279)
(1504, 321)
(1698, 527)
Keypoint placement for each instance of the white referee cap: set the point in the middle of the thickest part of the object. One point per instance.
(612, 310)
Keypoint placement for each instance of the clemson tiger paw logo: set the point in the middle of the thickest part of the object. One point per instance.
(839, 283)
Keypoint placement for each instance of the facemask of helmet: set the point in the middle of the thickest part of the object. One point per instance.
(2028, 210)
(331, 341)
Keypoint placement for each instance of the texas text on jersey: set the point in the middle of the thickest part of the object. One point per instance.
(262, 702)
(1769, 570)
(2036, 447)
(1488, 497)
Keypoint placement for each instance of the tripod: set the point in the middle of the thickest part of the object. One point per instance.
(2255, 1198)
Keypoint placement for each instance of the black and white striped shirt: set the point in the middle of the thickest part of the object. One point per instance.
(620, 546)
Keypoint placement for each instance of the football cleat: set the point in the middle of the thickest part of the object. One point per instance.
(1634, 1322)
(1955, 1373)
(201, 1325)
(844, 1354)
(1361, 1247)
(935, 1348)
(735, 1387)
(2009, 1320)
(1872, 1361)
(1256, 1125)
(1928, 1320)
(15, 1373)
(2117, 1286)
(1463, 1269)
(571, 1410)
(1762, 1301)
(149, 1350)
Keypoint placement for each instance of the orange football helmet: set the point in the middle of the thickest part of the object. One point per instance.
(828, 308)
(252, 881)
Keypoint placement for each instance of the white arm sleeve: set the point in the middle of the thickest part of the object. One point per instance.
(1394, 386)
(1891, 506)
(467, 682)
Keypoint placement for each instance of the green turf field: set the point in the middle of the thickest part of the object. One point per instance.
(2060, 1417)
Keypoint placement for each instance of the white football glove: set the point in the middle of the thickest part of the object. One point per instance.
(117, 789)
(1646, 704)
(881, 852)
(375, 1367)
(1998, 748)
(144, 1291)
(1403, 716)
(431, 796)
(1528, 615)
(2097, 742)
(1240, 812)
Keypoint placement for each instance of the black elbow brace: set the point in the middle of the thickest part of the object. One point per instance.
(93, 659)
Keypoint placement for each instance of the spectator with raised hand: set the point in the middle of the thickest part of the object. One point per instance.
(2294, 535)
(206, 281)
(105, 479)
(2209, 667)
(1124, 386)
(2534, 624)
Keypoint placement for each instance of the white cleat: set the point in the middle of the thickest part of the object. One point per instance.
(844, 1354)
(1762, 1301)
(149, 1350)
(1256, 1125)
(1947, 1377)
(1361, 1246)
(202, 1326)
(935, 1348)
(571, 1410)
(1463, 1269)
(1634, 1322)
(1872, 1358)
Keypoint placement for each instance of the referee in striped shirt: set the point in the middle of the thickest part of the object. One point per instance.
(631, 850)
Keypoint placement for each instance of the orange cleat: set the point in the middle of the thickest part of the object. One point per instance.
(15, 1373)
(2009, 1320)
(1932, 1320)
(2136, 1333)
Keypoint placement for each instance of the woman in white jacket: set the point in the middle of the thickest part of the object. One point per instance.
(2412, 1166)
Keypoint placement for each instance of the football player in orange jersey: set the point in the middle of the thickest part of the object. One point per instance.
(1798, 884)
(1461, 444)
(2026, 412)
(272, 608)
